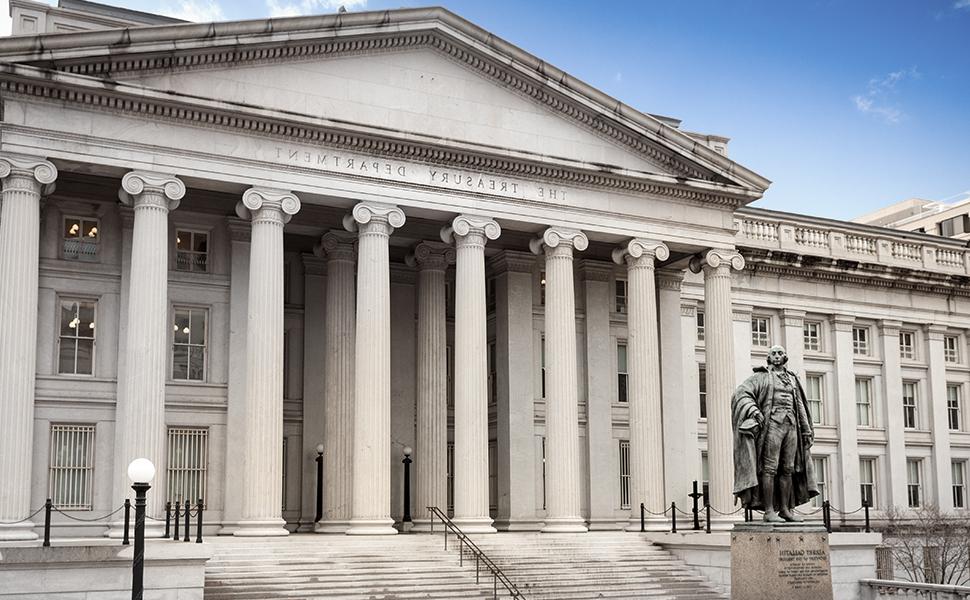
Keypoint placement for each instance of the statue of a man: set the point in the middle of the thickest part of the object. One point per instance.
(773, 435)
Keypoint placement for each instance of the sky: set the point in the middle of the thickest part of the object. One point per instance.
(846, 106)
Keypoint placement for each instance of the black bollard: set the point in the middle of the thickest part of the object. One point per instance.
(694, 496)
(198, 522)
(865, 506)
(168, 520)
(48, 506)
(125, 542)
(707, 510)
(319, 512)
(673, 517)
(188, 519)
(643, 525)
(407, 485)
(178, 505)
(827, 516)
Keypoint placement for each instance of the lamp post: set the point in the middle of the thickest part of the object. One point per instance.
(407, 484)
(319, 483)
(141, 471)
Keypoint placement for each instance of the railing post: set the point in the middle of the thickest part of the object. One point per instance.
(827, 516)
(461, 553)
(188, 519)
(168, 519)
(432, 516)
(642, 518)
(694, 495)
(495, 585)
(48, 506)
(476, 569)
(198, 523)
(446, 533)
(124, 542)
(178, 506)
(673, 517)
(865, 506)
(707, 510)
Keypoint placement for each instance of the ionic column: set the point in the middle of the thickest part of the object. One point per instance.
(470, 234)
(431, 441)
(643, 345)
(374, 223)
(892, 408)
(140, 419)
(845, 409)
(721, 369)
(338, 372)
(938, 422)
(562, 408)
(24, 179)
(262, 498)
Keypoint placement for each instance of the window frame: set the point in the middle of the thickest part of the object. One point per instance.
(626, 478)
(807, 338)
(700, 325)
(621, 302)
(959, 489)
(78, 300)
(820, 401)
(861, 340)
(951, 355)
(191, 253)
(205, 345)
(71, 474)
(198, 438)
(907, 345)
(622, 375)
(870, 416)
(94, 256)
(702, 389)
(914, 489)
(954, 406)
(757, 334)
(821, 466)
(911, 415)
(872, 462)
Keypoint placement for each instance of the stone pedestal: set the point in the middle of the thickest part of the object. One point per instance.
(790, 561)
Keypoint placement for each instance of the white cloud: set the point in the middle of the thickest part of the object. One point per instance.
(961, 4)
(877, 98)
(282, 8)
(618, 77)
(197, 11)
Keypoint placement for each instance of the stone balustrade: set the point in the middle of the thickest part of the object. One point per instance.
(807, 236)
(872, 589)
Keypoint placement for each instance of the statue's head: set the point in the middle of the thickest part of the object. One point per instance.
(777, 356)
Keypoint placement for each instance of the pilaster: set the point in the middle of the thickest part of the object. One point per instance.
(845, 409)
(793, 336)
(936, 407)
(892, 411)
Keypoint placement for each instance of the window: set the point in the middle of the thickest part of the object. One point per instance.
(80, 239)
(812, 333)
(702, 388)
(907, 345)
(188, 458)
(492, 375)
(863, 402)
(813, 393)
(821, 477)
(70, 480)
(958, 469)
(542, 288)
(705, 476)
(700, 326)
(759, 332)
(492, 476)
(953, 413)
(860, 341)
(189, 348)
(867, 481)
(621, 376)
(450, 374)
(910, 412)
(191, 251)
(951, 348)
(76, 341)
(914, 489)
(451, 478)
(542, 363)
(620, 296)
(624, 474)
(954, 226)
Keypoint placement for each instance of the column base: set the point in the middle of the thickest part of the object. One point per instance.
(18, 532)
(474, 524)
(268, 528)
(153, 529)
(331, 526)
(532, 524)
(423, 525)
(606, 524)
(371, 527)
(564, 525)
(228, 528)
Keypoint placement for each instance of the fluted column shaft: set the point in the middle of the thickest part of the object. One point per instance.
(262, 498)
(23, 180)
(372, 372)
(431, 446)
(338, 423)
(140, 419)
(643, 345)
(471, 373)
(563, 490)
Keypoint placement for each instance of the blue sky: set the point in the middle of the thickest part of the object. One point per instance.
(845, 105)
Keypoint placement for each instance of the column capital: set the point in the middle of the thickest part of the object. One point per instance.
(670, 280)
(165, 190)
(554, 237)
(640, 248)
(792, 317)
(688, 309)
(843, 323)
(40, 169)
(239, 230)
(935, 331)
(595, 270)
(717, 257)
(432, 256)
(337, 245)
(268, 204)
(513, 261)
(367, 212)
(471, 225)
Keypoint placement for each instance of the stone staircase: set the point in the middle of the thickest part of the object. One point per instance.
(544, 567)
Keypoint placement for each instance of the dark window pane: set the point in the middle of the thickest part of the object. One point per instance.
(65, 361)
(85, 357)
(197, 325)
(68, 311)
(196, 363)
(180, 363)
(200, 242)
(182, 329)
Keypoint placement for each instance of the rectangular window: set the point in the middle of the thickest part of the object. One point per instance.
(812, 333)
(867, 481)
(821, 477)
(860, 341)
(189, 346)
(191, 251)
(914, 487)
(624, 474)
(620, 296)
(759, 332)
(702, 388)
(70, 480)
(188, 459)
(910, 410)
(907, 345)
(542, 363)
(951, 348)
(76, 340)
(705, 476)
(621, 375)
(81, 239)
(542, 288)
(813, 393)
(863, 402)
(953, 412)
(958, 469)
(700, 326)
(492, 375)
(450, 486)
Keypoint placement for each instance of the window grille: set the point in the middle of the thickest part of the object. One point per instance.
(867, 481)
(954, 414)
(958, 469)
(620, 296)
(951, 349)
(700, 325)
(188, 459)
(759, 332)
(702, 388)
(907, 345)
(813, 391)
(76, 339)
(71, 466)
(860, 341)
(863, 402)
(191, 251)
(914, 486)
(910, 412)
(80, 239)
(621, 373)
(821, 478)
(624, 474)
(884, 562)
(189, 346)
(812, 331)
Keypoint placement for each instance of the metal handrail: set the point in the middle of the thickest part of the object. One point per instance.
(464, 540)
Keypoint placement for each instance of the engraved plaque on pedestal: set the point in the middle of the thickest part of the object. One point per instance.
(789, 561)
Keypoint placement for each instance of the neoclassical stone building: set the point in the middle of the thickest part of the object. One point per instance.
(224, 244)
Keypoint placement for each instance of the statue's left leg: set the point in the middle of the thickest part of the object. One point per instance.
(786, 465)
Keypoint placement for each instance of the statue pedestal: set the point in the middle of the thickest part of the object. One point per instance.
(780, 560)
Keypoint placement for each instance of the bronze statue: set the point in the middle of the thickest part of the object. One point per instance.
(773, 436)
